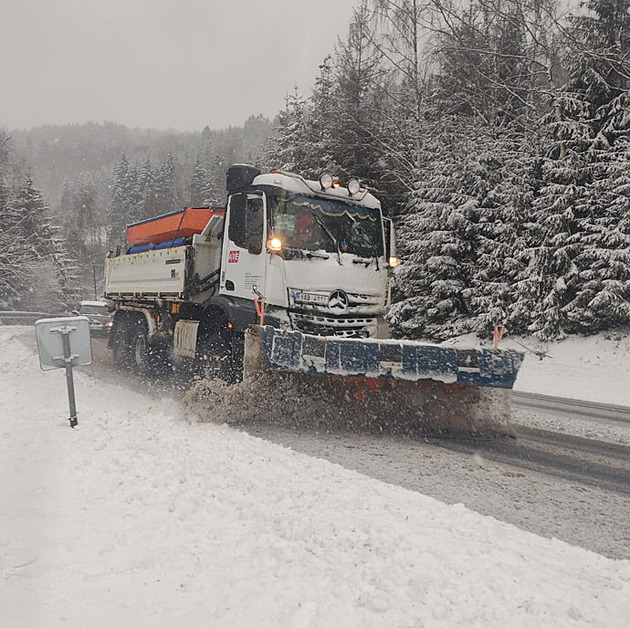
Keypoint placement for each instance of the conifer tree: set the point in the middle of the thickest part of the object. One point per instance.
(84, 226)
(287, 152)
(436, 239)
(147, 191)
(577, 276)
(166, 197)
(13, 277)
(48, 269)
(124, 202)
(319, 135)
(198, 180)
(364, 145)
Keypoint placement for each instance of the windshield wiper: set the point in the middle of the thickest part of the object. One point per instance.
(359, 226)
(322, 224)
(316, 254)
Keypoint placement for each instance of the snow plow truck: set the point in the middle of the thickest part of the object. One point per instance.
(283, 293)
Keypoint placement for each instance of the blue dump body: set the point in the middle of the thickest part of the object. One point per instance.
(296, 352)
(142, 248)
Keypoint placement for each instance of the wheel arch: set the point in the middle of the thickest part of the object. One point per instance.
(216, 319)
(128, 314)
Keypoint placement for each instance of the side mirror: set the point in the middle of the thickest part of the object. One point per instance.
(236, 227)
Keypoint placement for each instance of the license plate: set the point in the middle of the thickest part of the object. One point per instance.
(310, 298)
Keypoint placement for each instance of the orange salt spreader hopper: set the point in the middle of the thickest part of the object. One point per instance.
(183, 223)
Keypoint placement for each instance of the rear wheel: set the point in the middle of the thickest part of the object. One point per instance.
(120, 347)
(141, 352)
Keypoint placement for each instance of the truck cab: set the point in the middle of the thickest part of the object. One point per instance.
(312, 253)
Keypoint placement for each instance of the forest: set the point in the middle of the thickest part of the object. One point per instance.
(495, 132)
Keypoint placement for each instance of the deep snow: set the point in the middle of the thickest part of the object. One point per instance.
(143, 517)
(592, 368)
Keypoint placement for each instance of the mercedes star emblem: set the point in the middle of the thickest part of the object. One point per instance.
(338, 300)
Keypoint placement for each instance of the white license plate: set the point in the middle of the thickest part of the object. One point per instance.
(310, 298)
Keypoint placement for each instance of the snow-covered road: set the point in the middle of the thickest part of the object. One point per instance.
(140, 517)
(544, 504)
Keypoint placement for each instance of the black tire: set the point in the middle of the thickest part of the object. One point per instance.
(120, 346)
(214, 359)
(141, 351)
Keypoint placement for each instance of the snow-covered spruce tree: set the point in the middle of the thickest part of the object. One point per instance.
(400, 38)
(198, 179)
(10, 268)
(288, 148)
(601, 71)
(436, 240)
(166, 195)
(124, 203)
(49, 273)
(319, 115)
(83, 226)
(603, 301)
(500, 178)
(579, 252)
(549, 279)
(478, 166)
(357, 119)
(203, 189)
(214, 189)
(13, 275)
(147, 191)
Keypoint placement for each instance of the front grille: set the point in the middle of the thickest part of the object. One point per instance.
(343, 327)
(311, 313)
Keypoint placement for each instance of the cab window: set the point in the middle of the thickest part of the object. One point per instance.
(247, 222)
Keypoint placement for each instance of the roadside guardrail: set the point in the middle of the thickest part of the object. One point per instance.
(16, 317)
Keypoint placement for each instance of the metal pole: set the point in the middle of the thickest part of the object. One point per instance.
(65, 338)
(94, 275)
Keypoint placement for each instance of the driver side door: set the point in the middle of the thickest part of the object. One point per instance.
(244, 246)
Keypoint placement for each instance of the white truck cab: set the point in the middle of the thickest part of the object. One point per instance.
(313, 252)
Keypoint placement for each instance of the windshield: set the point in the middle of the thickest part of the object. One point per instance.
(94, 309)
(313, 224)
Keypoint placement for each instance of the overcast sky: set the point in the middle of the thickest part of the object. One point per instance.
(178, 64)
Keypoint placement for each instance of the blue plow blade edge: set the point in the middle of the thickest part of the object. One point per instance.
(295, 352)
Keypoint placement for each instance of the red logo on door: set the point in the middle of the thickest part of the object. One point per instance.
(233, 257)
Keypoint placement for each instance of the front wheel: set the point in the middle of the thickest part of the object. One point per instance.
(214, 359)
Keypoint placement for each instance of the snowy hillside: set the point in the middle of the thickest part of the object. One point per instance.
(144, 517)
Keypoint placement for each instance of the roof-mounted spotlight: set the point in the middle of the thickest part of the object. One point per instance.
(353, 186)
(326, 181)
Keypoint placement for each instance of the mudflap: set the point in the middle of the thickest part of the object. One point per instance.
(394, 387)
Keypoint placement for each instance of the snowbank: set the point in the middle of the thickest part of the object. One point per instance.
(141, 517)
(593, 368)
